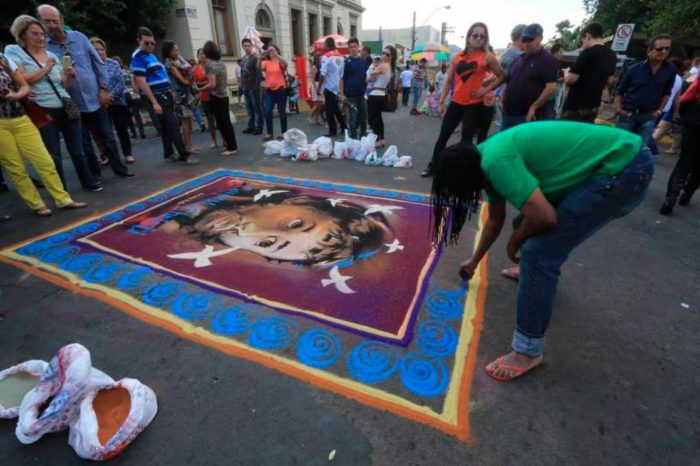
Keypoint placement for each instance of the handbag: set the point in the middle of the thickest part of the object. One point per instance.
(391, 100)
(69, 105)
(38, 114)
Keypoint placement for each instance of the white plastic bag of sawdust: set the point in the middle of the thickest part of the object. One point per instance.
(405, 161)
(325, 146)
(355, 147)
(17, 381)
(341, 151)
(367, 144)
(288, 149)
(296, 137)
(309, 152)
(391, 156)
(273, 147)
(373, 159)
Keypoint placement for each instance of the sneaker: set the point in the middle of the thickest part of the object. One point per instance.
(229, 152)
(62, 385)
(111, 416)
(171, 159)
(427, 173)
(666, 208)
(189, 161)
(25, 376)
(213, 146)
(95, 189)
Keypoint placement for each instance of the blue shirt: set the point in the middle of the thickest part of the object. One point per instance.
(89, 68)
(642, 91)
(115, 82)
(147, 65)
(355, 77)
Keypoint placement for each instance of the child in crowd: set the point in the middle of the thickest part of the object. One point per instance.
(293, 90)
(370, 84)
(432, 102)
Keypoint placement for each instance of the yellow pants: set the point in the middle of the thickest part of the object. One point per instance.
(20, 134)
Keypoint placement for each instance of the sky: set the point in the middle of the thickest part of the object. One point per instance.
(499, 15)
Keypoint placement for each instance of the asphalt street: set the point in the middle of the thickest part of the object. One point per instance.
(619, 386)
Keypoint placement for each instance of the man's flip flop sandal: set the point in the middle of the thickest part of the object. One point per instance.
(517, 371)
(111, 417)
(15, 382)
(54, 401)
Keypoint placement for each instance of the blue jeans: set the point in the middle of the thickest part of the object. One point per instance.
(582, 213)
(358, 116)
(98, 125)
(639, 123)
(508, 121)
(72, 135)
(417, 93)
(253, 105)
(197, 113)
(279, 98)
(405, 94)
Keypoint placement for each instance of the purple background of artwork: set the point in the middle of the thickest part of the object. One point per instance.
(385, 284)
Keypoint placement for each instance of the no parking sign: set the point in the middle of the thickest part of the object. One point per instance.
(623, 34)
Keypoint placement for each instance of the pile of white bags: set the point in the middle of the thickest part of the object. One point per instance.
(295, 146)
(64, 394)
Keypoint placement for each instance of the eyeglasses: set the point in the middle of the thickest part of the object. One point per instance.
(478, 36)
(149, 42)
(662, 49)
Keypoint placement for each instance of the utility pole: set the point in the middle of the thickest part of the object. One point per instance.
(443, 33)
(413, 33)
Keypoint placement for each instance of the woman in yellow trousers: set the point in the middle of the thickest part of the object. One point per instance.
(18, 133)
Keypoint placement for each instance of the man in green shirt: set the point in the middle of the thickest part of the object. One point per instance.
(567, 179)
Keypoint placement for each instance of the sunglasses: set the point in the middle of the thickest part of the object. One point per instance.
(478, 36)
(149, 42)
(662, 49)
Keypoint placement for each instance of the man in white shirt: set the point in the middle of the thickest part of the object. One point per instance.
(406, 78)
(332, 67)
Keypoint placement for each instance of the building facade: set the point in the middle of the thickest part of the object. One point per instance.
(401, 36)
(291, 24)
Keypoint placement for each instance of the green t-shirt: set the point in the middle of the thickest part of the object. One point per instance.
(556, 156)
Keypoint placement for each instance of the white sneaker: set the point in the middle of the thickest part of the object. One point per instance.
(229, 152)
(15, 383)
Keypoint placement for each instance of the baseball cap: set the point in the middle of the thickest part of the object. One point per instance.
(531, 31)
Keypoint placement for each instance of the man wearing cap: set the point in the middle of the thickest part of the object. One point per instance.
(515, 48)
(644, 90)
(531, 80)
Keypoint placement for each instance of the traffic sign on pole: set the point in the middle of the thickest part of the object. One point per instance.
(623, 35)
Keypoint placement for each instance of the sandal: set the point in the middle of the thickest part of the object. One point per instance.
(512, 273)
(130, 159)
(72, 205)
(517, 371)
(43, 211)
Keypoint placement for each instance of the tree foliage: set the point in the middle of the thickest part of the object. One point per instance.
(567, 35)
(680, 18)
(115, 21)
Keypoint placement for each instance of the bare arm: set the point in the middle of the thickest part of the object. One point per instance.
(178, 75)
(539, 216)
(211, 82)
(571, 78)
(35, 76)
(142, 85)
(492, 228)
(20, 93)
(548, 90)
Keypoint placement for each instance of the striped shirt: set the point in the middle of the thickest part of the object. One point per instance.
(147, 65)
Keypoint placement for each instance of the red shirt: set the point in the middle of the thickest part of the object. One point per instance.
(470, 71)
(200, 78)
(692, 93)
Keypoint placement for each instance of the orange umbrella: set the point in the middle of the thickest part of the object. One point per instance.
(341, 43)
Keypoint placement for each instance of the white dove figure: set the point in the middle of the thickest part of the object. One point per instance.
(394, 246)
(338, 280)
(202, 258)
(384, 209)
(335, 202)
(265, 193)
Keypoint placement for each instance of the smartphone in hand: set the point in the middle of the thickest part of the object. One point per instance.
(67, 62)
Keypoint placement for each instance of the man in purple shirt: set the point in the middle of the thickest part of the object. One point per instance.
(532, 79)
(89, 89)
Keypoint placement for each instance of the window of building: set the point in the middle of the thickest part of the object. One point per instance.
(313, 27)
(353, 30)
(297, 33)
(222, 26)
(327, 26)
(339, 27)
(263, 20)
